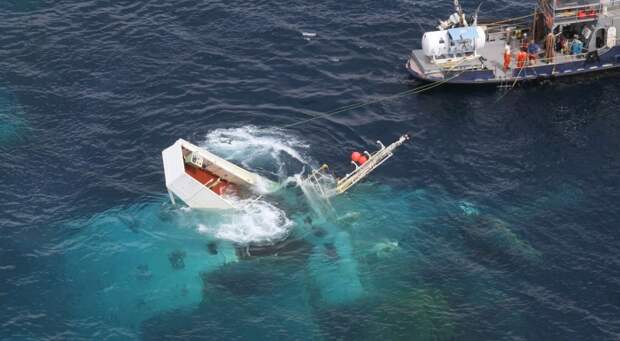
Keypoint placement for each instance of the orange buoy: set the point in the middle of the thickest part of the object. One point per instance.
(355, 156)
(362, 160)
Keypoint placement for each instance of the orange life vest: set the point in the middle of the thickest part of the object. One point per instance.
(507, 59)
(521, 59)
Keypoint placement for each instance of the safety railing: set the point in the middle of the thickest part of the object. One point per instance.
(557, 59)
(578, 14)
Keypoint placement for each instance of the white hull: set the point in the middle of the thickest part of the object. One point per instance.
(200, 178)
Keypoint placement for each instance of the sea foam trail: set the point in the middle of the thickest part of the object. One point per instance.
(255, 221)
(270, 151)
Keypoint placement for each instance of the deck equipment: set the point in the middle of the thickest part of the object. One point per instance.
(563, 38)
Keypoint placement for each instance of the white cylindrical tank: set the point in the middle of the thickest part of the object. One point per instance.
(436, 43)
(482, 36)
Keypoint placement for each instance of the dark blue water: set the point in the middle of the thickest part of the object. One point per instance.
(499, 221)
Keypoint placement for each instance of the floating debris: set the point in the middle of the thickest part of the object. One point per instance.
(385, 248)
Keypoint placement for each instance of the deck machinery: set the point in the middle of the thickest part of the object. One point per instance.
(463, 51)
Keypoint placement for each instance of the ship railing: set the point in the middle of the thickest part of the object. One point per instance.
(577, 14)
(613, 6)
(572, 4)
(502, 29)
(557, 59)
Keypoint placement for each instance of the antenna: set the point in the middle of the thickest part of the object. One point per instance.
(476, 14)
(457, 7)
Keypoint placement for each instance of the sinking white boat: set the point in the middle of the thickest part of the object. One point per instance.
(204, 180)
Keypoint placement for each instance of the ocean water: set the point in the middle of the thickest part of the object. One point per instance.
(498, 221)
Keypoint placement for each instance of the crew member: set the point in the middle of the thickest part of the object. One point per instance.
(532, 51)
(521, 58)
(550, 47)
(507, 58)
(576, 47)
(524, 42)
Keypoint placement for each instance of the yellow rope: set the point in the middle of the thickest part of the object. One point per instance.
(509, 20)
(417, 90)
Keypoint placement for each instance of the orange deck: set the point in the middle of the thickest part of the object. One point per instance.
(205, 177)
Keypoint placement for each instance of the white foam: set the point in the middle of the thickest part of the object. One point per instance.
(256, 221)
(254, 146)
(256, 149)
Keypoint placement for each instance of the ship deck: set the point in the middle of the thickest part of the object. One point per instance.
(490, 57)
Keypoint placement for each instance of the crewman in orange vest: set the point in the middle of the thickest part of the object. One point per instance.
(507, 58)
(521, 58)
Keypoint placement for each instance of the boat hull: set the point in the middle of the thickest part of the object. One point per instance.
(605, 63)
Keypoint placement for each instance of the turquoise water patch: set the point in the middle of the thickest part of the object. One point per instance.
(422, 313)
(12, 122)
(361, 260)
(333, 267)
(128, 264)
(369, 257)
(132, 264)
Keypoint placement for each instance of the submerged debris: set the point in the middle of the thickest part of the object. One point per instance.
(494, 238)
(132, 223)
(289, 247)
(384, 248)
(177, 259)
(143, 272)
(318, 232)
(331, 251)
(423, 314)
(212, 248)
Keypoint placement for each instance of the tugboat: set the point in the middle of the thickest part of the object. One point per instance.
(563, 38)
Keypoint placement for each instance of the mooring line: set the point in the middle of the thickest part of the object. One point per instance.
(417, 90)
